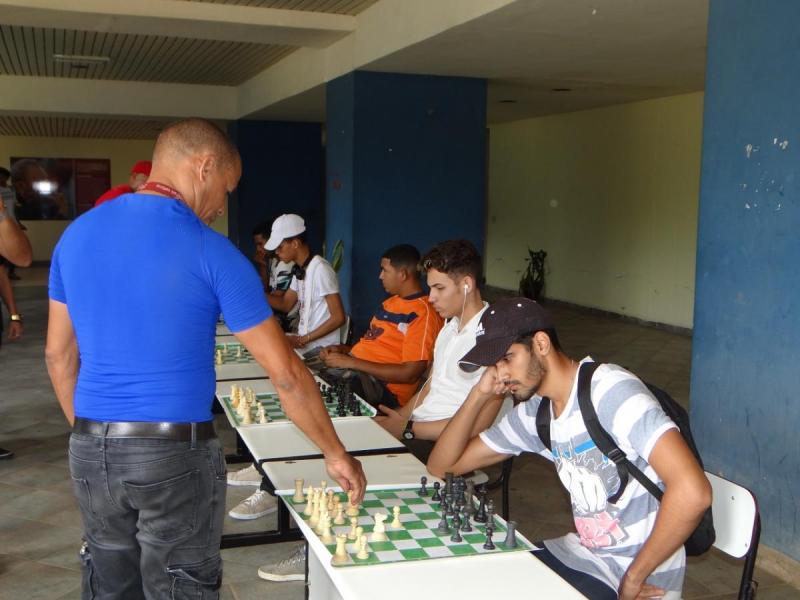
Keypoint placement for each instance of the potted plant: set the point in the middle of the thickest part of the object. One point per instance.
(532, 281)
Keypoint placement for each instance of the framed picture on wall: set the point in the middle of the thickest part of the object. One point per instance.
(57, 188)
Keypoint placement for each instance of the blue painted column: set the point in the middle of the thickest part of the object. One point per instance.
(406, 163)
(283, 170)
(744, 395)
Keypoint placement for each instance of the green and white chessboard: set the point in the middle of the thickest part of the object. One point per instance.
(233, 354)
(418, 539)
(274, 411)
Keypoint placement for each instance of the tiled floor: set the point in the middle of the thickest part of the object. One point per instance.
(40, 526)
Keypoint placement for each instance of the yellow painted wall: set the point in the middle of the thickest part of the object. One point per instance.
(122, 153)
(611, 194)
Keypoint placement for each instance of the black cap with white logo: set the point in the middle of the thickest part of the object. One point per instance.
(501, 324)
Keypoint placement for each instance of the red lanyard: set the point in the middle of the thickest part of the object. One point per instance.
(161, 188)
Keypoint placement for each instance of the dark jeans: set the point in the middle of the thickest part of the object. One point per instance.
(373, 390)
(592, 588)
(152, 514)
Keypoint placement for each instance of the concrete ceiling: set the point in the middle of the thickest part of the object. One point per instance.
(270, 59)
(605, 52)
(31, 51)
(337, 7)
(80, 127)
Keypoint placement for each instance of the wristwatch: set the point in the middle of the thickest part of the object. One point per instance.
(408, 432)
(16, 317)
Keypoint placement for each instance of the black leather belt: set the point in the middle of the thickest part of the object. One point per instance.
(182, 432)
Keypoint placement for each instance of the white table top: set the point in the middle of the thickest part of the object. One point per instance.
(382, 470)
(222, 329)
(236, 371)
(506, 575)
(284, 439)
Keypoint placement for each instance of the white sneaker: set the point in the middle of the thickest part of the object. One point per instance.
(248, 476)
(257, 505)
(291, 568)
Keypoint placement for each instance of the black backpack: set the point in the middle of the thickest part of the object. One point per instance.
(703, 536)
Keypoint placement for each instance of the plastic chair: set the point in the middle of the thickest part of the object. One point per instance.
(737, 523)
(346, 331)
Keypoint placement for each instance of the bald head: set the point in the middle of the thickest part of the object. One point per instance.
(196, 158)
(195, 137)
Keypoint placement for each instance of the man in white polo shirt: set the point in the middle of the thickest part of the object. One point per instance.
(454, 271)
(314, 286)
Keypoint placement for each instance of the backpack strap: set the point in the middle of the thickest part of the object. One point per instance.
(543, 422)
(603, 440)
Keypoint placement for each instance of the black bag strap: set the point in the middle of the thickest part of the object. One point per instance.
(603, 440)
(543, 422)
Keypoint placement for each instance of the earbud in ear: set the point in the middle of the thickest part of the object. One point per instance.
(466, 288)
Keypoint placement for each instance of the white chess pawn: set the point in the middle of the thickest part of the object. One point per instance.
(246, 418)
(353, 534)
(327, 534)
(340, 556)
(313, 520)
(320, 524)
(330, 501)
(298, 490)
(309, 509)
(339, 520)
(352, 509)
(396, 524)
(379, 531)
(362, 548)
(239, 352)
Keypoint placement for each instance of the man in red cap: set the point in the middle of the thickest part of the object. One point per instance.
(139, 174)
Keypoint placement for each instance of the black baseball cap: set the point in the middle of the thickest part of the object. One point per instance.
(501, 324)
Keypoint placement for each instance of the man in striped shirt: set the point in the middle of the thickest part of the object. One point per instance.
(632, 548)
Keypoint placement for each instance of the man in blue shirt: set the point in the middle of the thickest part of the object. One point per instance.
(136, 287)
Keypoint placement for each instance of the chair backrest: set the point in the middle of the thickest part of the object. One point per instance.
(344, 331)
(735, 515)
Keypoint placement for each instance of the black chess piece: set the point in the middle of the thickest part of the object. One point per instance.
(456, 537)
(511, 535)
(443, 502)
(450, 505)
(470, 497)
(480, 516)
(423, 491)
(462, 488)
(448, 483)
(443, 528)
(436, 496)
(489, 544)
(466, 526)
(459, 507)
(490, 512)
(357, 411)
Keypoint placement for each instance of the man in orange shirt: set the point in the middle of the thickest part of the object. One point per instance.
(392, 356)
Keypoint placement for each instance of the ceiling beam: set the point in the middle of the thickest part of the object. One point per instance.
(384, 28)
(97, 97)
(175, 18)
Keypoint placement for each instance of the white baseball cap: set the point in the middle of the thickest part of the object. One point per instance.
(285, 226)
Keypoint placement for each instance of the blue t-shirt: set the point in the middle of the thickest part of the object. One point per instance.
(144, 281)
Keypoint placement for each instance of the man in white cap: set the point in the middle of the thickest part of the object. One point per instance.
(314, 286)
